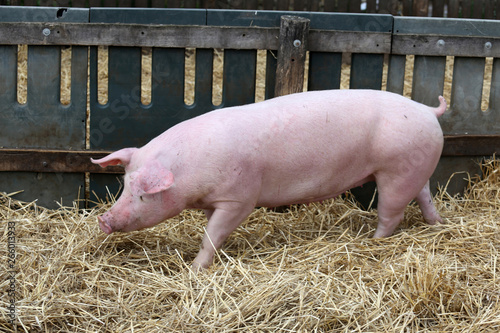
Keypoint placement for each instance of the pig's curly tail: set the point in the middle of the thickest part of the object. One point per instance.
(441, 108)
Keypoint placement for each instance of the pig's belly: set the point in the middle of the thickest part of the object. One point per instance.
(300, 191)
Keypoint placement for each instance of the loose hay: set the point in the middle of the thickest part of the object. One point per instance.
(313, 268)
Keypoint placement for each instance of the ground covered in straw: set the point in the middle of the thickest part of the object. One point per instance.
(314, 268)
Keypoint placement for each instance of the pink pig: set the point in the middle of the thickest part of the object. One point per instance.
(292, 149)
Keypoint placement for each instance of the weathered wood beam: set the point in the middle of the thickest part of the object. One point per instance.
(438, 45)
(37, 160)
(471, 145)
(293, 42)
(145, 35)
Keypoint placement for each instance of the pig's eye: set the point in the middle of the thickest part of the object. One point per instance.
(141, 198)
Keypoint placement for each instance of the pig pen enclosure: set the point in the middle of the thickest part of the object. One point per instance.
(102, 79)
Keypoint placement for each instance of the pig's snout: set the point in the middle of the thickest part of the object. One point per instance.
(104, 225)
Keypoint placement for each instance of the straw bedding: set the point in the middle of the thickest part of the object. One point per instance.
(313, 268)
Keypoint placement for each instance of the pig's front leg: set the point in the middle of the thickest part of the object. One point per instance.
(222, 222)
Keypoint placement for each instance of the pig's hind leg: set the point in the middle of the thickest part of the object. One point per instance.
(394, 196)
(424, 200)
(222, 222)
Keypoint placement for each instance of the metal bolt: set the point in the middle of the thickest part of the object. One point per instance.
(441, 43)
(46, 32)
(45, 164)
(487, 45)
(297, 43)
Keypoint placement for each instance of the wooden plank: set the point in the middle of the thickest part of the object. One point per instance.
(41, 160)
(466, 8)
(70, 161)
(313, 6)
(439, 45)
(208, 4)
(237, 4)
(355, 6)
(158, 3)
(477, 9)
(144, 35)
(342, 6)
(96, 3)
(299, 5)
(251, 4)
(438, 8)
(76, 3)
(408, 7)
(390, 7)
(173, 3)
(293, 41)
(350, 41)
(489, 7)
(471, 145)
(269, 4)
(371, 6)
(124, 3)
(453, 8)
(330, 5)
(189, 3)
(420, 7)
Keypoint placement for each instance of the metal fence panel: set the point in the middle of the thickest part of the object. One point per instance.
(43, 122)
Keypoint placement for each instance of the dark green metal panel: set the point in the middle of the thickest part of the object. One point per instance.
(203, 82)
(446, 26)
(43, 122)
(324, 70)
(494, 104)
(366, 71)
(148, 16)
(239, 77)
(43, 14)
(466, 116)
(271, 65)
(8, 77)
(396, 74)
(270, 18)
(428, 79)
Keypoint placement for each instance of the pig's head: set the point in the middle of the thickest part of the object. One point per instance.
(147, 197)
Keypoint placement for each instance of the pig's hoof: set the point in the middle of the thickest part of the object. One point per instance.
(196, 267)
(434, 220)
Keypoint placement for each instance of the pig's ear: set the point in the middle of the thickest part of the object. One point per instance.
(120, 157)
(150, 179)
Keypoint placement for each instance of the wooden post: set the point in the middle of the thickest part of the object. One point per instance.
(294, 32)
